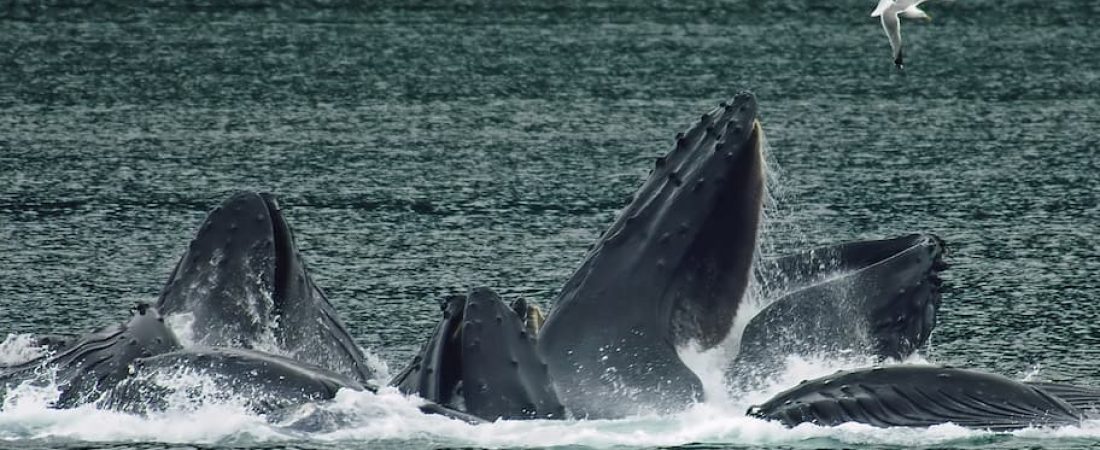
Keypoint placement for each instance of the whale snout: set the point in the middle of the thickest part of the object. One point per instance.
(742, 130)
(745, 107)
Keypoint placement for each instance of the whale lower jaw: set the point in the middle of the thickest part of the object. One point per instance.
(919, 396)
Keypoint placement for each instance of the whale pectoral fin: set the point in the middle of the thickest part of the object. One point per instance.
(503, 375)
(918, 396)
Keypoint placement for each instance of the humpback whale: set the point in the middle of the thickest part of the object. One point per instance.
(481, 359)
(245, 285)
(671, 270)
(260, 328)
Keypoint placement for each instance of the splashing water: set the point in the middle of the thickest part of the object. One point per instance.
(389, 417)
(210, 418)
(19, 348)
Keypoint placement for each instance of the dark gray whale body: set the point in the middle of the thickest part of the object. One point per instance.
(876, 298)
(91, 364)
(670, 270)
(266, 382)
(920, 396)
(481, 359)
(246, 286)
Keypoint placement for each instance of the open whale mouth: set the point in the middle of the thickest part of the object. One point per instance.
(245, 285)
(786, 274)
(233, 277)
(878, 298)
(285, 253)
(671, 270)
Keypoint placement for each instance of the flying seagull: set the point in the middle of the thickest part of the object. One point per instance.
(889, 10)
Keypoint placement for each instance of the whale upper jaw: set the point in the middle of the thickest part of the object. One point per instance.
(670, 270)
(869, 298)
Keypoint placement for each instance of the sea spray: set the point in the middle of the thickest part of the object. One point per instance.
(20, 348)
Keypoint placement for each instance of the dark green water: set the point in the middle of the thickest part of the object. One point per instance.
(421, 148)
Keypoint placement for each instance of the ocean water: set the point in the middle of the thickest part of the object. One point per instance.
(421, 148)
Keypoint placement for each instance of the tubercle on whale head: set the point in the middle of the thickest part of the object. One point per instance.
(717, 159)
(732, 132)
(481, 359)
(720, 239)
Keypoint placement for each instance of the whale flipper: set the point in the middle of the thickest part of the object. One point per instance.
(246, 286)
(481, 359)
(92, 364)
(876, 298)
(670, 270)
(919, 396)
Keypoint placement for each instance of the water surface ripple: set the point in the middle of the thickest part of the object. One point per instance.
(423, 147)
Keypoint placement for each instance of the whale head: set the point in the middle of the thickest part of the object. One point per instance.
(670, 270)
(244, 284)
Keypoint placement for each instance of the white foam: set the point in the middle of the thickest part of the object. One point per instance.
(181, 326)
(19, 348)
(212, 418)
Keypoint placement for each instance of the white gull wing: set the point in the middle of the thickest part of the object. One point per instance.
(914, 12)
(892, 26)
(881, 8)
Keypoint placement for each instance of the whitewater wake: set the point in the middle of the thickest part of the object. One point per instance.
(209, 418)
